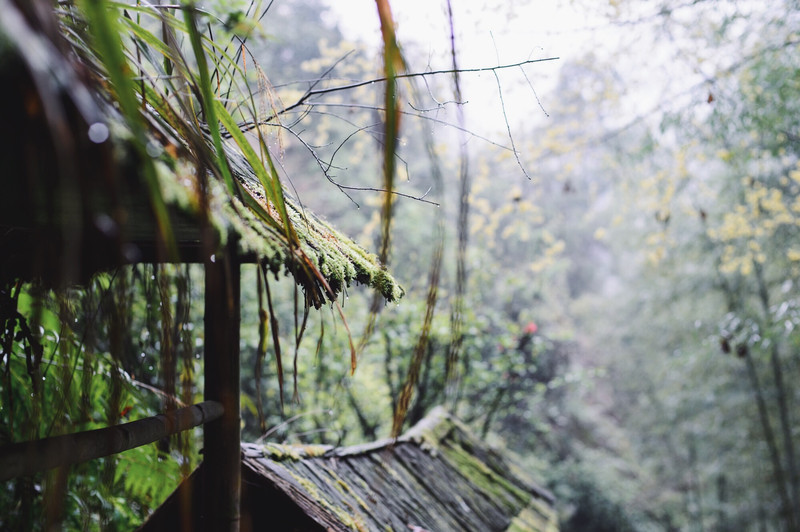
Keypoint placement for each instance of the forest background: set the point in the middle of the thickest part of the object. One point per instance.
(631, 292)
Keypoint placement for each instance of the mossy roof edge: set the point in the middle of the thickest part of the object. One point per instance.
(339, 259)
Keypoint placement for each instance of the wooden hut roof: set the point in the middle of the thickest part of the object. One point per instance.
(436, 477)
(76, 197)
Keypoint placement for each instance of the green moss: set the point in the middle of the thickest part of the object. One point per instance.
(353, 522)
(173, 190)
(430, 432)
(480, 475)
(346, 490)
(278, 452)
(340, 260)
(313, 451)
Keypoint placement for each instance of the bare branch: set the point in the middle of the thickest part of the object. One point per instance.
(344, 188)
(311, 93)
(505, 116)
(508, 126)
(538, 101)
(249, 125)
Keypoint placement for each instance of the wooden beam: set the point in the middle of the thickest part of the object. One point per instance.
(25, 458)
(222, 438)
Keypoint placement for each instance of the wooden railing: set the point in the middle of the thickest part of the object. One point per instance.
(25, 458)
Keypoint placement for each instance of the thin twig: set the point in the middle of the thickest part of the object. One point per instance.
(321, 164)
(347, 138)
(439, 105)
(351, 86)
(505, 117)
(344, 188)
(286, 423)
(508, 126)
(538, 101)
(248, 125)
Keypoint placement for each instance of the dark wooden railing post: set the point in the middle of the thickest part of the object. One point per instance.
(221, 438)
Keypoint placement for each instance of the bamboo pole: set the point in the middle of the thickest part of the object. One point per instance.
(25, 458)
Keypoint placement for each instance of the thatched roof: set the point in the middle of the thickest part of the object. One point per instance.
(83, 179)
(436, 477)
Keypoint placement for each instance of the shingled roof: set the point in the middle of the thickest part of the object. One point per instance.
(436, 477)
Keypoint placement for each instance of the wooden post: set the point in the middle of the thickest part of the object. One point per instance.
(221, 438)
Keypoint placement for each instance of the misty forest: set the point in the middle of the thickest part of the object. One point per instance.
(575, 226)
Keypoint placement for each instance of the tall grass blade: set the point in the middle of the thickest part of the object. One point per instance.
(108, 45)
(209, 101)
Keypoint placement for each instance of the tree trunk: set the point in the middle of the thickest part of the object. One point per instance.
(769, 436)
(783, 404)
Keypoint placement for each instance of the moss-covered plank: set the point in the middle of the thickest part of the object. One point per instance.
(361, 479)
(468, 508)
(494, 486)
(406, 495)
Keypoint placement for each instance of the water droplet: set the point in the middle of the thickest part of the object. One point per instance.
(98, 132)
(154, 150)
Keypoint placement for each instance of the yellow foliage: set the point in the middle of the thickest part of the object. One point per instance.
(734, 226)
(725, 155)
(656, 255)
(733, 263)
(480, 204)
(654, 239)
(600, 234)
(556, 249)
(540, 265)
(508, 208)
(746, 265)
(508, 231)
(477, 225)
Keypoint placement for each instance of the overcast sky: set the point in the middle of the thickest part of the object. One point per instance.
(486, 36)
